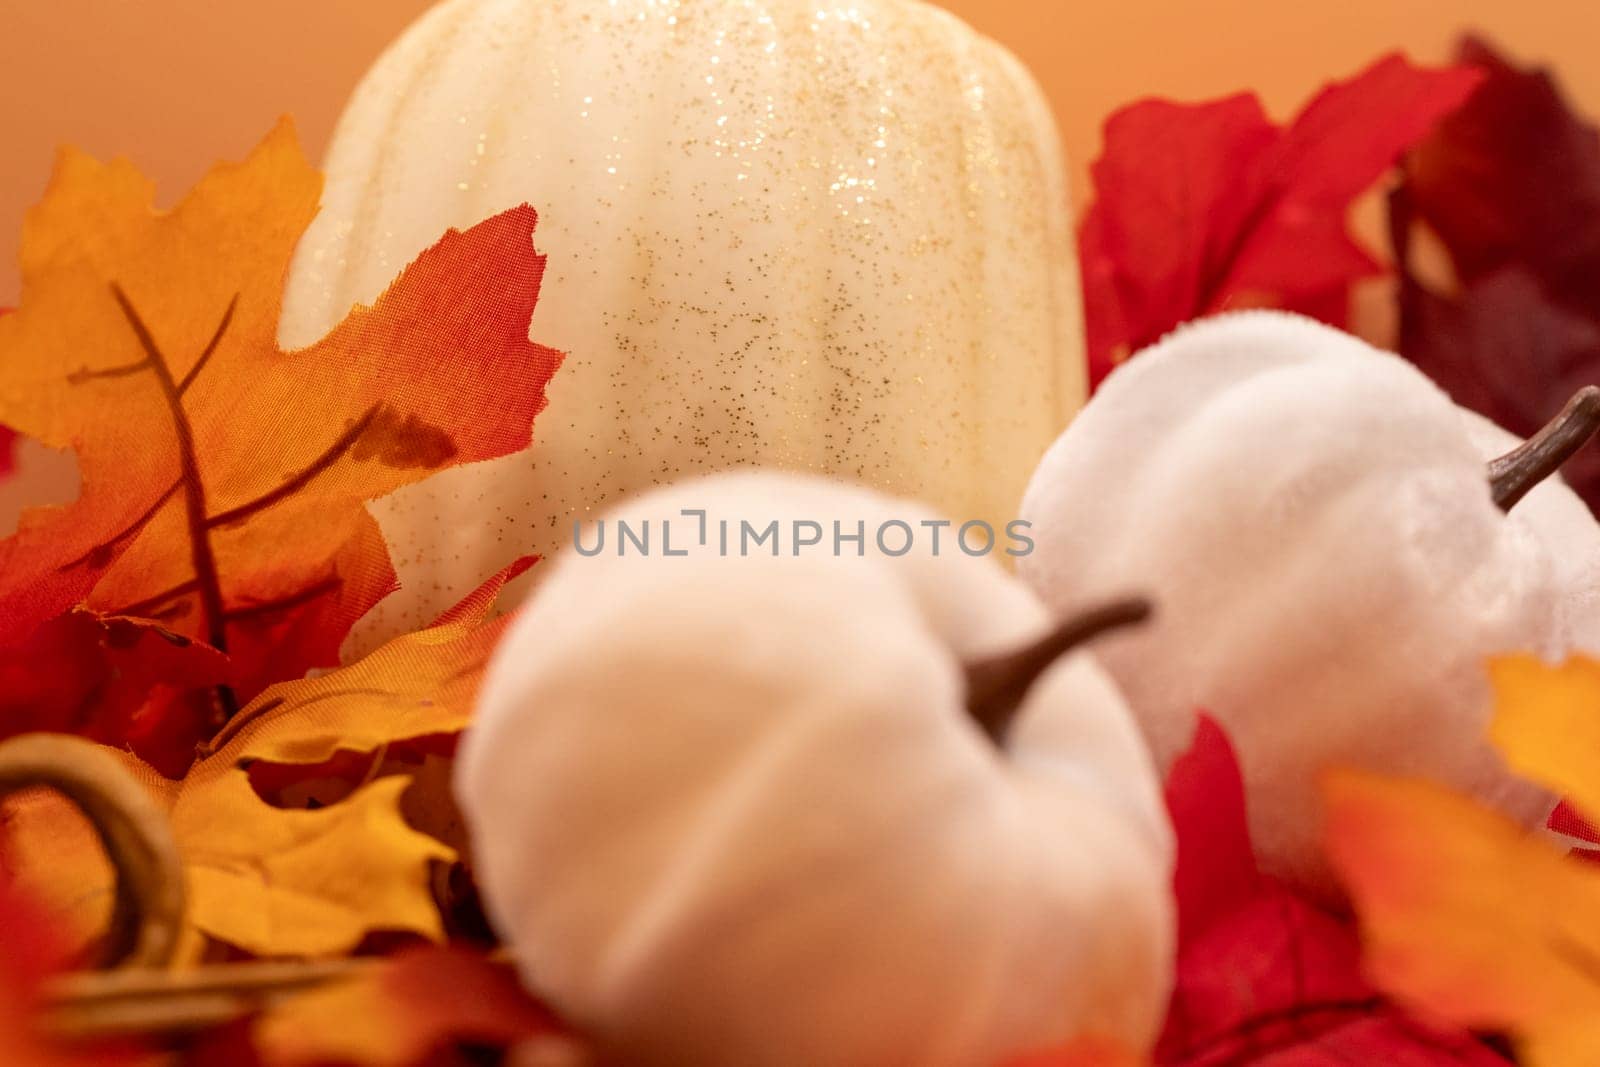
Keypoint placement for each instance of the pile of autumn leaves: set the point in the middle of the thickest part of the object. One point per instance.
(220, 550)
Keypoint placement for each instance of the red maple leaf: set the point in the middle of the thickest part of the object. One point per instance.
(104, 678)
(1204, 207)
(1265, 975)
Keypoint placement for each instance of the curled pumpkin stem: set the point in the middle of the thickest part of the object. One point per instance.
(997, 686)
(1514, 475)
(147, 914)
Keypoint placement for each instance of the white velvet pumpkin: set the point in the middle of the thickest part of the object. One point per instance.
(1313, 517)
(731, 811)
(821, 236)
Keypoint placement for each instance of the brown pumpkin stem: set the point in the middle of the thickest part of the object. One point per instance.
(997, 686)
(1514, 475)
(147, 914)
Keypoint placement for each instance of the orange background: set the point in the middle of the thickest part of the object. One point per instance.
(177, 84)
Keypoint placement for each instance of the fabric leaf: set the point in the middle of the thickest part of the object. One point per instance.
(417, 685)
(1547, 724)
(279, 881)
(1468, 917)
(1265, 975)
(1203, 207)
(224, 480)
(1509, 186)
(1513, 177)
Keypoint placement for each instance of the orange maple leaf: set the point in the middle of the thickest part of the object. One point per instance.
(224, 479)
(1467, 916)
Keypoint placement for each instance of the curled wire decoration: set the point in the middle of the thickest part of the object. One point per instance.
(148, 910)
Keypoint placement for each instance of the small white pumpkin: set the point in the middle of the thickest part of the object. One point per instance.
(821, 236)
(731, 810)
(1315, 519)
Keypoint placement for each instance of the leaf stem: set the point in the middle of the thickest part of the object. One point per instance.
(150, 603)
(329, 456)
(209, 583)
(127, 531)
(211, 347)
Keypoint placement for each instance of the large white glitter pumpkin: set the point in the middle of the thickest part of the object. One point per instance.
(827, 237)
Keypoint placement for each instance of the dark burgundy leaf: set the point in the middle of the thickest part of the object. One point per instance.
(1510, 184)
(1514, 176)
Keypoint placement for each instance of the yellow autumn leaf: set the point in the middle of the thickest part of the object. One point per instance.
(417, 685)
(303, 882)
(269, 880)
(277, 881)
(1467, 916)
(1547, 724)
